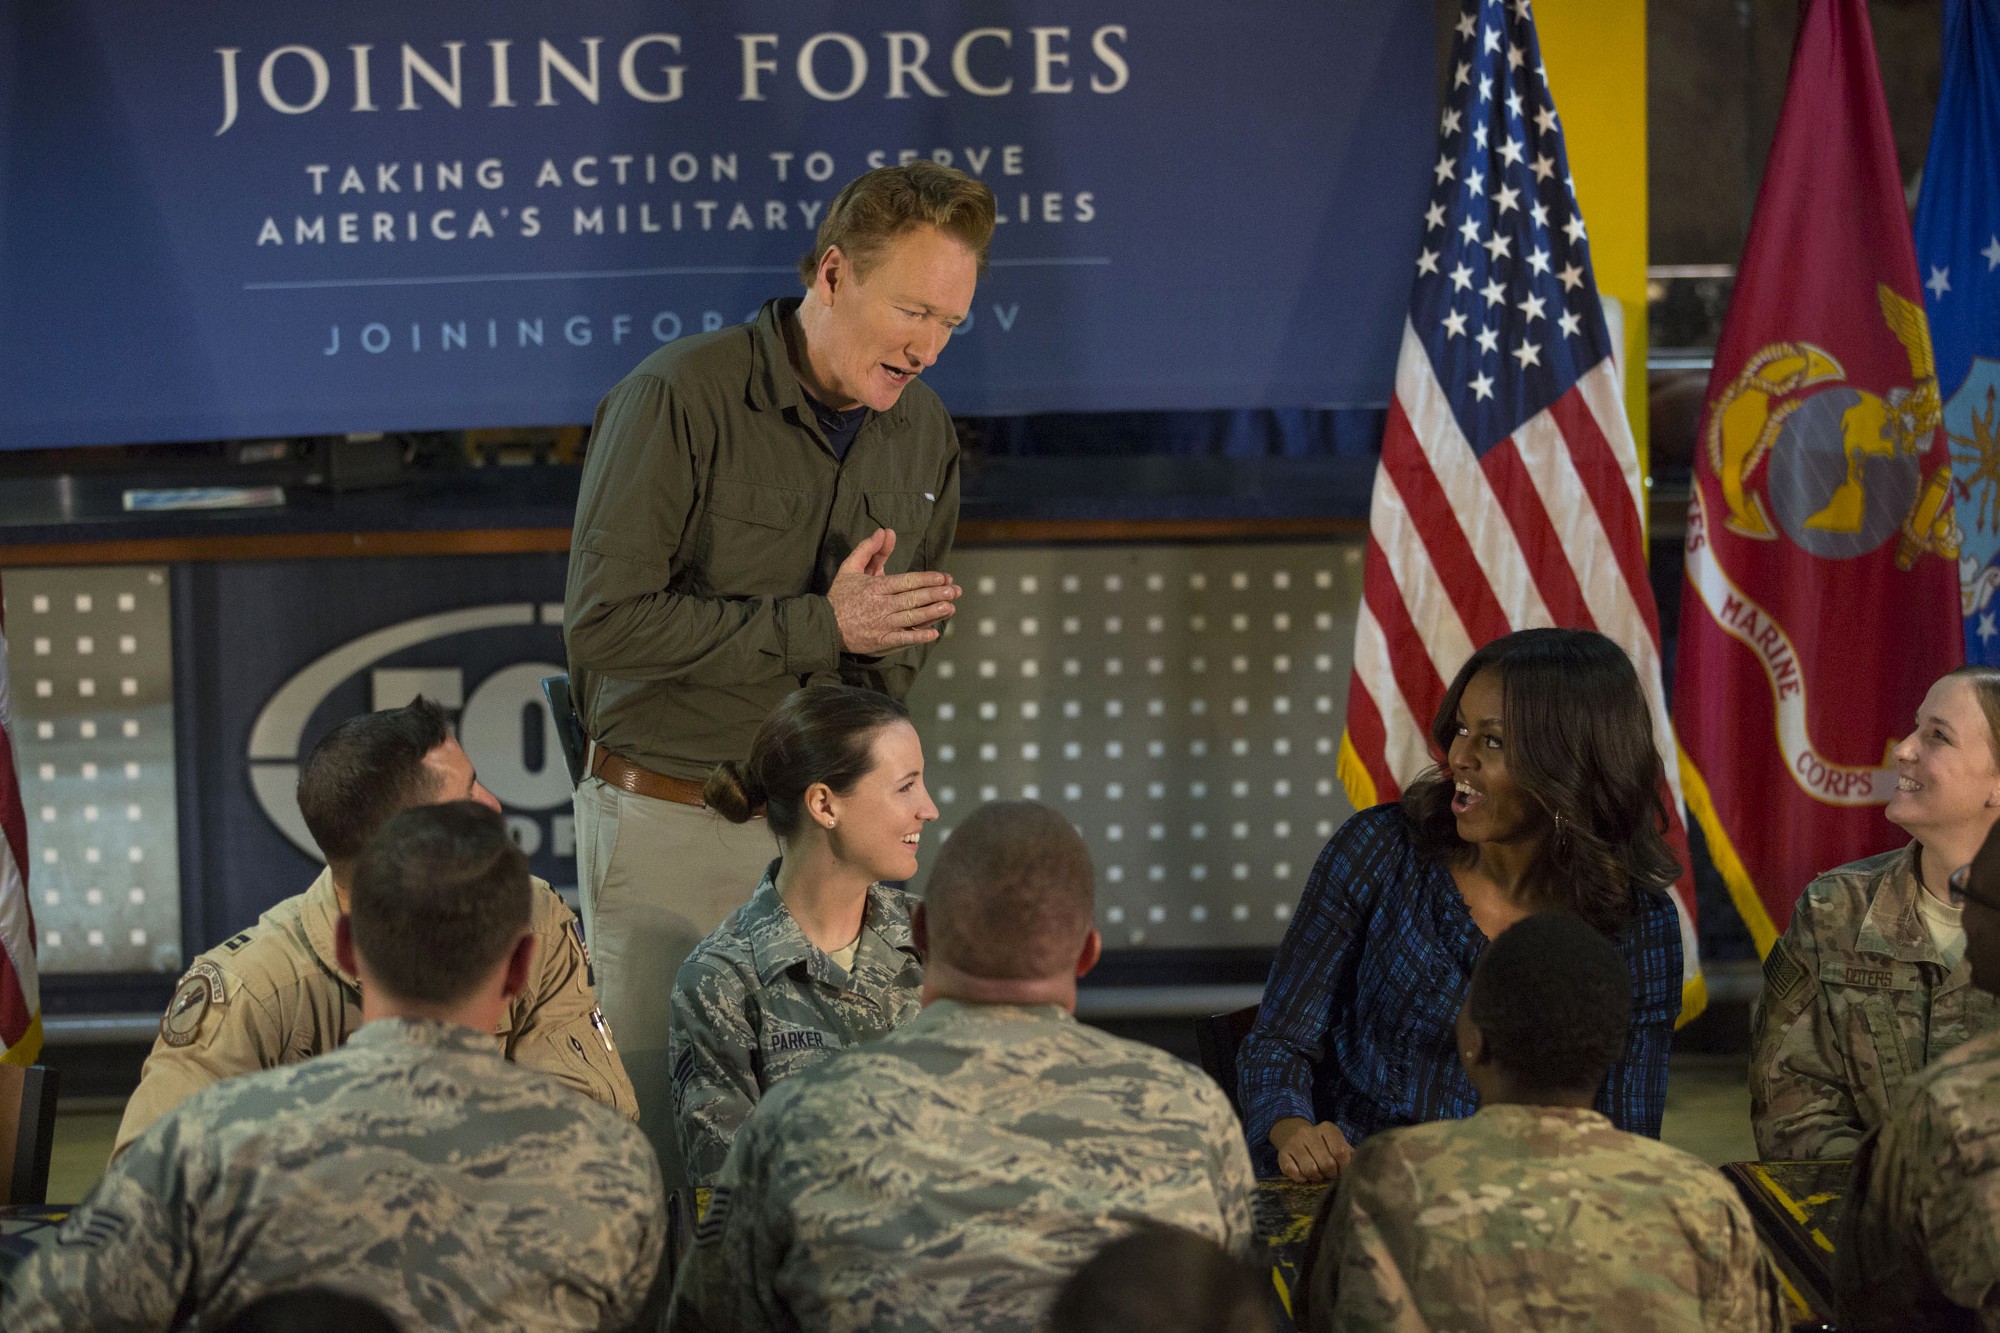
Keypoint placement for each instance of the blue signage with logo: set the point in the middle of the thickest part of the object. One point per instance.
(225, 219)
(474, 633)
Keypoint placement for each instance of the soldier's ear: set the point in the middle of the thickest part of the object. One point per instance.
(819, 802)
(343, 945)
(1472, 1047)
(520, 966)
(1093, 949)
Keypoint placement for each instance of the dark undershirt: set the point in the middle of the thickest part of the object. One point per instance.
(840, 428)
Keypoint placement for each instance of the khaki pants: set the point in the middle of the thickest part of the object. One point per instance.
(655, 879)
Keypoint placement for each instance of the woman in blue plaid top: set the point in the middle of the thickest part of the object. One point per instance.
(1549, 799)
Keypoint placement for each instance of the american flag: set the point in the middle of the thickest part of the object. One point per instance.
(20, 1002)
(1509, 492)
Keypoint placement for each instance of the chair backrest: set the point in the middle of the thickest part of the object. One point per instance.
(569, 728)
(1216, 1038)
(27, 1132)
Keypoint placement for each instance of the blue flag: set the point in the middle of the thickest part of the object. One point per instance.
(1958, 251)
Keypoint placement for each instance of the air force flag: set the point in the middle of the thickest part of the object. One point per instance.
(1958, 251)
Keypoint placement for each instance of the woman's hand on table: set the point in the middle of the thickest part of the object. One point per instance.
(1308, 1153)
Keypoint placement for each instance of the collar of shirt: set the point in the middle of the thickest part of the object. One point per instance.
(948, 1014)
(1891, 925)
(317, 915)
(1510, 1114)
(425, 1032)
(1457, 933)
(774, 386)
(777, 944)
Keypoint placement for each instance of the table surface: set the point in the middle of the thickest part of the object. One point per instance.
(1796, 1206)
(1284, 1212)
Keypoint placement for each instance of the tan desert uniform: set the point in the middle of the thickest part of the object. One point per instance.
(1856, 1001)
(274, 995)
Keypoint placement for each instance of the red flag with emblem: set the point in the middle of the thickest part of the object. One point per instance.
(1821, 597)
(20, 1002)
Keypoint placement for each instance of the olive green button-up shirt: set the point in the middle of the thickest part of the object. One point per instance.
(711, 521)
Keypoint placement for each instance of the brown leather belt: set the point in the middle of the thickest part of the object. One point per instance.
(628, 776)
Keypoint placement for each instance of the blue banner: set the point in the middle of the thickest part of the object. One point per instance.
(226, 219)
(1958, 251)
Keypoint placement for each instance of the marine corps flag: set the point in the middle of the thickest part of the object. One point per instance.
(1822, 580)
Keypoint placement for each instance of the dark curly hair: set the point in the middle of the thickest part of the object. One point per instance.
(1553, 999)
(1580, 747)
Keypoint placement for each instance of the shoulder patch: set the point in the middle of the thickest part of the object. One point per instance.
(709, 1229)
(1785, 978)
(93, 1227)
(201, 987)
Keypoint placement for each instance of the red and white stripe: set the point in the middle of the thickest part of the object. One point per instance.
(20, 989)
(1544, 530)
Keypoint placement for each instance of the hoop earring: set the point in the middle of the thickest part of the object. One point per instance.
(1562, 832)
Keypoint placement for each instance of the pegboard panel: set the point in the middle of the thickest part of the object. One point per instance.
(90, 668)
(1181, 704)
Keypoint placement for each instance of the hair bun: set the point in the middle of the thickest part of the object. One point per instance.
(732, 792)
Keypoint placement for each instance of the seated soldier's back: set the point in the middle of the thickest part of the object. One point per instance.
(1540, 1218)
(952, 1173)
(414, 1167)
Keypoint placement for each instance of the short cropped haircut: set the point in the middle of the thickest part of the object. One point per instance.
(1163, 1280)
(365, 770)
(438, 899)
(1553, 999)
(1012, 896)
(875, 208)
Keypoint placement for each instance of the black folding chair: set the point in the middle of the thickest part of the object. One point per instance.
(1216, 1038)
(569, 729)
(27, 1132)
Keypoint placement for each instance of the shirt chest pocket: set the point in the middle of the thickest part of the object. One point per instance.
(1879, 1012)
(908, 515)
(756, 539)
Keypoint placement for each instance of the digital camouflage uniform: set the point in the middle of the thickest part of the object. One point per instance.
(1920, 1232)
(1537, 1218)
(758, 1002)
(952, 1173)
(275, 995)
(1856, 1000)
(413, 1168)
